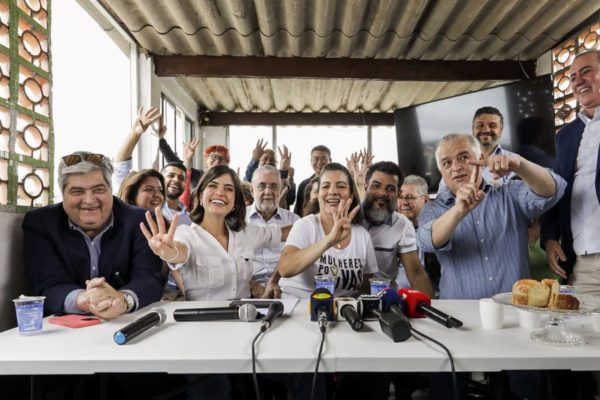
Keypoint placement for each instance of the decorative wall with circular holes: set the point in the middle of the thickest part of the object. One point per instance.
(25, 124)
(565, 105)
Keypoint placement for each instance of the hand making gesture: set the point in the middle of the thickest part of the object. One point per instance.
(342, 222)
(469, 195)
(188, 151)
(161, 240)
(143, 121)
(285, 158)
(499, 165)
(259, 149)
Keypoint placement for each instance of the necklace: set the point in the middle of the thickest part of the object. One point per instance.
(339, 245)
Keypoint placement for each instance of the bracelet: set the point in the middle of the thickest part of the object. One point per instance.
(171, 258)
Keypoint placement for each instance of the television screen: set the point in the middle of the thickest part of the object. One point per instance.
(527, 107)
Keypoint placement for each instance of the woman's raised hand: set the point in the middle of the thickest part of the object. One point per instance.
(159, 238)
(342, 222)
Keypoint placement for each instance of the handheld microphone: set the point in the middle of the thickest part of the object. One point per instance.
(275, 311)
(346, 310)
(156, 317)
(246, 312)
(367, 306)
(321, 307)
(418, 305)
(394, 326)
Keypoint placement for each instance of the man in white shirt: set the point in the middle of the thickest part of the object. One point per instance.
(393, 235)
(266, 186)
(570, 230)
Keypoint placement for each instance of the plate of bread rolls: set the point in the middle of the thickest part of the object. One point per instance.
(548, 295)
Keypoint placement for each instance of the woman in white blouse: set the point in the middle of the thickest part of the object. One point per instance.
(329, 242)
(214, 254)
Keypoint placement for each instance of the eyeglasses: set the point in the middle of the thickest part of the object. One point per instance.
(263, 186)
(73, 159)
(410, 199)
(216, 157)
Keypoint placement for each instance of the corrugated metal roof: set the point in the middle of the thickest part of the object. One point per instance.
(387, 29)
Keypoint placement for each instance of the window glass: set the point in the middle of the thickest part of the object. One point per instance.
(341, 140)
(242, 140)
(383, 143)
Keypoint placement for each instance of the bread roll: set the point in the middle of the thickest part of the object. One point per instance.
(520, 291)
(539, 295)
(563, 301)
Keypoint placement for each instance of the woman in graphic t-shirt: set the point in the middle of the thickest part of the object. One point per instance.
(330, 242)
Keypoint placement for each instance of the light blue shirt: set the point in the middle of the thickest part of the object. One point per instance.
(265, 258)
(487, 251)
(94, 246)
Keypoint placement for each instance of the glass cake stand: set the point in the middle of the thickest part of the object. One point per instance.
(555, 332)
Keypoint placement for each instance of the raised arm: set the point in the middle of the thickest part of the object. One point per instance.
(294, 260)
(141, 124)
(536, 177)
(468, 197)
(161, 241)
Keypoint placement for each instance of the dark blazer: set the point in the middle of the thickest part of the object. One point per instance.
(57, 260)
(556, 223)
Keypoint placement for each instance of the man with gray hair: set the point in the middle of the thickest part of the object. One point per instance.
(478, 231)
(266, 186)
(87, 254)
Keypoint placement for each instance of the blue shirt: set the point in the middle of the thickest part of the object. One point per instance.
(94, 246)
(487, 251)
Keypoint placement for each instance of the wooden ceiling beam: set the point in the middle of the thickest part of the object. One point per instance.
(295, 118)
(341, 68)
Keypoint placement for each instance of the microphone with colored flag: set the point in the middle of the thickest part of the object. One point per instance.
(321, 307)
(418, 305)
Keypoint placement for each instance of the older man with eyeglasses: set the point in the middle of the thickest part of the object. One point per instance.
(87, 254)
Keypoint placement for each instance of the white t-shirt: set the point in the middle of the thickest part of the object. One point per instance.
(347, 265)
(393, 237)
(212, 273)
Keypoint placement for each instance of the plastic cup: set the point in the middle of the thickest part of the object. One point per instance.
(529, 319)
(491, 313)
(30, 314)
(378, 284)
(325, 281)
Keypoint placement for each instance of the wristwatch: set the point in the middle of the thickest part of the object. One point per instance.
(129, 300)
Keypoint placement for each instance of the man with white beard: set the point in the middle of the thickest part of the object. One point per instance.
(393, 235)
(266, 187)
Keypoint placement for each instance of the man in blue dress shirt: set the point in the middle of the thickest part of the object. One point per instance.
(477, 231)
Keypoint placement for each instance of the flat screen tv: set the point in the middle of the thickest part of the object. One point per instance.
(528, 125)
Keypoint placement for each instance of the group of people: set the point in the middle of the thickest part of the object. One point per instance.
(107, 255)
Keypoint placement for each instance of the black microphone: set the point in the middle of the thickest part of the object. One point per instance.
(346, 310)
(367, 306)
(393, 325)
(245, 312)
(321, 307)
(418, 305)
(156, 317)
(275, 311)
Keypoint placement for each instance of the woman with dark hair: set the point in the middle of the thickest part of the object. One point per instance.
(330, 242)
(218, 247)
(145, 189)
(311, 194)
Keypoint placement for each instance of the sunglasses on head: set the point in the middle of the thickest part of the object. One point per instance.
(73, 159)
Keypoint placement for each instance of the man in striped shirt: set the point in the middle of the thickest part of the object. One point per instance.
(479, 231)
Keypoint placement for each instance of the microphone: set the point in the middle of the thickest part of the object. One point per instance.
(245, 312)
(391, 301)
(346, 310)
(418, 305)
(321, 307)
(275, 311)
(156, 317)
(367, 306)
(394, 326)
